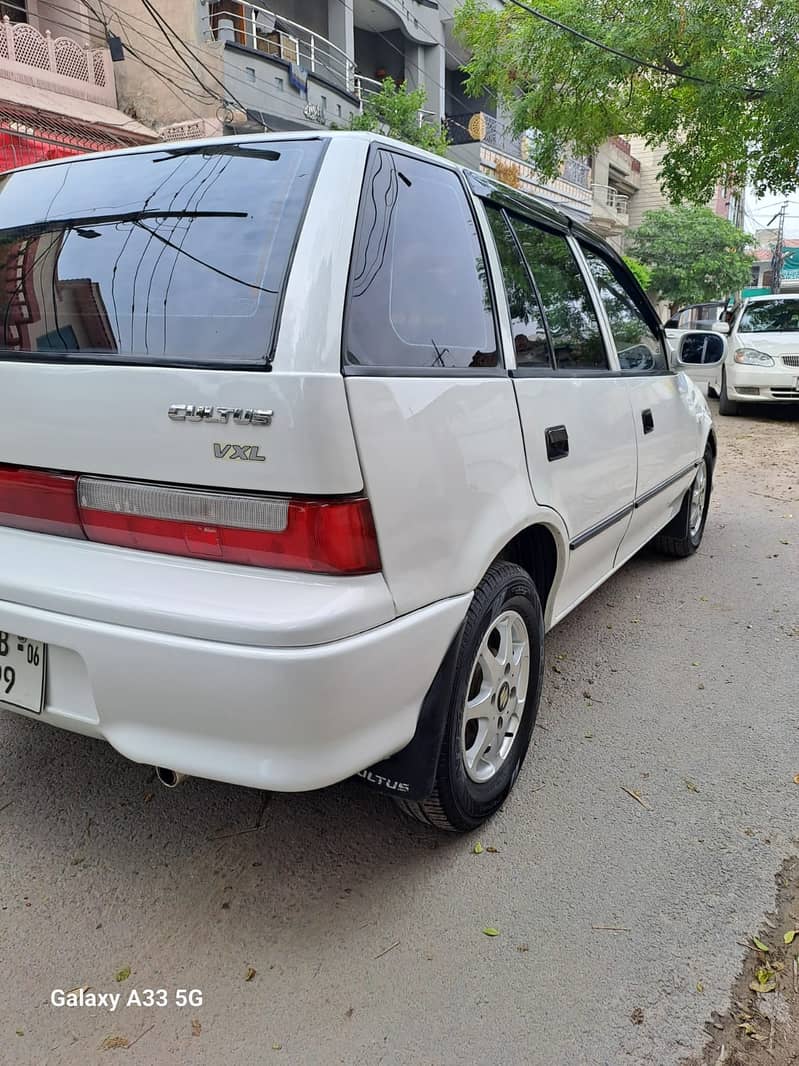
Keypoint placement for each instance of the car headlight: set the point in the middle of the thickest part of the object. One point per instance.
(752, 357)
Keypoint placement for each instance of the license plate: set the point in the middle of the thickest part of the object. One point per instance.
(22, 670)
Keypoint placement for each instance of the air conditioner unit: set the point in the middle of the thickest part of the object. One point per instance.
(190, 131)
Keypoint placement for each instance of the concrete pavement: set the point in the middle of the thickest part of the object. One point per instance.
(619, 921)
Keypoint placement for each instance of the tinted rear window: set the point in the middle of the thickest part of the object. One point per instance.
(171, 256)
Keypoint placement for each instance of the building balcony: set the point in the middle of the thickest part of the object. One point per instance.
(484, 143)
(58, 64)
(281, 40)
(610, 215)
(623, 164)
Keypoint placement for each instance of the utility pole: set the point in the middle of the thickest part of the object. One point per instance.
(778, 256)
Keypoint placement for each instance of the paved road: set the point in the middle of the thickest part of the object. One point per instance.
(365, 930)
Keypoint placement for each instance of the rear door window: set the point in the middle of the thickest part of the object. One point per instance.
(530, 339)
(638, 345)
(570, 314)
(419, 290)
(171, 256)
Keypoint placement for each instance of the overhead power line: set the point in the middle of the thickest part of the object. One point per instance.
(671, 71)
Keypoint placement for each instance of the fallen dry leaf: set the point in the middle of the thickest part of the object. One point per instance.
(123, 974)
(196, 1027)
(789, 935)
(493, 851)
(251, 972)
(111, 1043)
(756, 986)
(491, 931)
(637, 1016)
(636, 796)
(759, 944)
(478, 848)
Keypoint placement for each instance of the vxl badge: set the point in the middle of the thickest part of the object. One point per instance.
(239, 416)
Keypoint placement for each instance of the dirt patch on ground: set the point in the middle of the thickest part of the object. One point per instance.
(762, 1025)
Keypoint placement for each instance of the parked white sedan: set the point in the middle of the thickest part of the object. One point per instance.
(759, 361)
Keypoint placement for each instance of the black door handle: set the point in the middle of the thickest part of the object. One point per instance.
(648, 420)
(557, 440)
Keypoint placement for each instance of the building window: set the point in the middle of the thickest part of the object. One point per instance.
(15, 10)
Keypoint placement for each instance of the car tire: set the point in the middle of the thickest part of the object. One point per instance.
(726, 405)
(500, 657)
(711, 392)
(683, 535)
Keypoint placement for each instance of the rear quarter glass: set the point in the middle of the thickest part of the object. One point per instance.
(174, 257)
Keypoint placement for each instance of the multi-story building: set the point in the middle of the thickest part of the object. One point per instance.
(305, 65)
(615, 184)
(726, 202)
(57, 86)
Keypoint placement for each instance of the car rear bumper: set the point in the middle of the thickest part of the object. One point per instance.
(286, 719)
(756, 384)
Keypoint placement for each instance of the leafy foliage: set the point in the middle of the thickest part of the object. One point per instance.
(395, 112)
(642, 272)
(735, 122)
(693, 254)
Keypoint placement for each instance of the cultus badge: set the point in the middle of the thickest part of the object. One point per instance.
(239, 416)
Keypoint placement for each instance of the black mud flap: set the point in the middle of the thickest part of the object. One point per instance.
(411, 772)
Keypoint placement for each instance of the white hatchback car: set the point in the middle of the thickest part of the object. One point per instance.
(306, 441)
(761, 359)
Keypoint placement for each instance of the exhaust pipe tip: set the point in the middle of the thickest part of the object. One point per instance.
(169, 778)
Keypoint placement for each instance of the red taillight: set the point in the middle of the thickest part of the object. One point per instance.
(333, 536)
(322, 536)
(40, 501)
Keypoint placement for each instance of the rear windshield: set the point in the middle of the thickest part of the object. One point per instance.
(172, 256)
(771, 316)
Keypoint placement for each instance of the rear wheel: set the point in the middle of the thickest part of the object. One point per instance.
(712, 394)
(726, 405)
(683, 535)
(493, 704)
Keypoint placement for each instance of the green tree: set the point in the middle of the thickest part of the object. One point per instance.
(395, 111)
(693, 254)
(642, 272)
(722, 101)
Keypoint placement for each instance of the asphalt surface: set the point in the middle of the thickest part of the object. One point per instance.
(621, 923)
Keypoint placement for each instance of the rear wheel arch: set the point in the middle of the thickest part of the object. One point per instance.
(539, 551)
(712, 444)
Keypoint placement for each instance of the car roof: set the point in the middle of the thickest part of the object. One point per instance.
(772, 297)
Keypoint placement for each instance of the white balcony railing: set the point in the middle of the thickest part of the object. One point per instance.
(265, 31)
(366, 86)
(612, 198)
(60, 64)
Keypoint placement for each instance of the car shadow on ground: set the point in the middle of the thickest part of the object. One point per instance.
(759, 412)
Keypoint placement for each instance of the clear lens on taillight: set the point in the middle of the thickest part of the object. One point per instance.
(332, 536)
(180, 505)
(40, 501)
